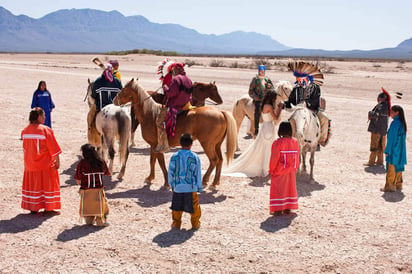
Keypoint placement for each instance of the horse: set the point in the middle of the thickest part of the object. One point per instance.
(112, 123)
(307, 128)
(206, 124)
(200, 92)
(245, 107)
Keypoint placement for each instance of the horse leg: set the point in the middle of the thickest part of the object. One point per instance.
(162, 164)
(110, 148)
(135, 124)
(151, 176)
(216, 180)
(304, 160)
(213, 160)
(124, 154)
(312, 161)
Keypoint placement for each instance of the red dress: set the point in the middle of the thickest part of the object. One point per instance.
(41, 183)
(284, 162)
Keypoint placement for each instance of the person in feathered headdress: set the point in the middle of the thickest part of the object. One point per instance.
(179, 96)
(309, 78)
(378, 125)
(258, 87)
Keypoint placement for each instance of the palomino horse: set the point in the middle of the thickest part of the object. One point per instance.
(200, 92)
(112, 122)
(307, 128)
(206, 124)
(245, 107)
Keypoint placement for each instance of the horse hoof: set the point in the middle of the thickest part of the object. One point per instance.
(212, 187)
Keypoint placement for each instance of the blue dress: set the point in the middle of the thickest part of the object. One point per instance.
(396, 145)
(43, 99)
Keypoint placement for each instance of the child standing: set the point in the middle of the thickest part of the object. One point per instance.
(93, 202)
(284, 162)
(185, 179)
(395, 150)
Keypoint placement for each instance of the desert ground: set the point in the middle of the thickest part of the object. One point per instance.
(344, 223)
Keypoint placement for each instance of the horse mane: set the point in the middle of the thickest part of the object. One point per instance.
(149, 105)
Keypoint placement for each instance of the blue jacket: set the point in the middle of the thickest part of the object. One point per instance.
(396, 145)
(43, 99)
(185, 172)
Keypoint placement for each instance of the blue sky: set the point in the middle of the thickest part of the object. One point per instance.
(317, 24)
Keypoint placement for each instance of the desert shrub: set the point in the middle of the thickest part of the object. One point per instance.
(191, 62)
(217, 63)
(261, 61)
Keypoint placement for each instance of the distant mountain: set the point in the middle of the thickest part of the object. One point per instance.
(87, 30)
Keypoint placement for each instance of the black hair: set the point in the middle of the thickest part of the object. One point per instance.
(90, 155)
(401, 115)
(269, 98)
(285, 129)
(41, 82)
(34, 115)
(186, 140)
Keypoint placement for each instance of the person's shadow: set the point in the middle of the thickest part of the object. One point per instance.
(260, 181)
(305, 186)
(173, 237)
(375, 169)
(393, 197)
(71, 171)
(276, 223)
(23, 222)
(77, 232)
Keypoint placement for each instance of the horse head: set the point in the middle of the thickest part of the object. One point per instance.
(214, 94)
(283, 89)
(128, 93)
(300, 117)
(90, 99)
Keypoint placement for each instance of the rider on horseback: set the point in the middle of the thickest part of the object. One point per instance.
(307, 89)
(178, 96)
(104, 89)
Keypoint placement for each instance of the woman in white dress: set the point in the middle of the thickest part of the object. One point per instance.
(254, 161)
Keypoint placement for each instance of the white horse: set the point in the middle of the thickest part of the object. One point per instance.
(112, 123)
(307, 127)
(245, 107)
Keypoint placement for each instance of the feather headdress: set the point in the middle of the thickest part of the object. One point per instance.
(304, 69)
(388, 99)
(164, 67)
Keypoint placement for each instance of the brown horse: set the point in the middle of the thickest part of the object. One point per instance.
(208, 125)
(200, 92)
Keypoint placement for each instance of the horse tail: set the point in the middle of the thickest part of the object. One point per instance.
(231, 135)
(124, 127)
(238, 112)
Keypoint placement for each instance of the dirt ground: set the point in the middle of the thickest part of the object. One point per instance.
(344, 223)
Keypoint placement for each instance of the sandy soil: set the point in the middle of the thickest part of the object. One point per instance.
(344, 223)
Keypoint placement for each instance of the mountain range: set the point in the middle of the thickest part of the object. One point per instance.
(95, 31)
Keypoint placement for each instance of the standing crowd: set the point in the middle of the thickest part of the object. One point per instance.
(266, 156)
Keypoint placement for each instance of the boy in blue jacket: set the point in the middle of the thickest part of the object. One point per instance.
(185, 179)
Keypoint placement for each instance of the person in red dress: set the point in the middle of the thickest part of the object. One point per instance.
(89, 173)
(41, 183)
(284, 161)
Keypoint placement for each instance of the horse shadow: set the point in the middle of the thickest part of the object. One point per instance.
(393, 197)
(260, 181)
(276, 223)
(23, 222)
(376, 169)
(305, 186)
(140, 151)
(173, 237)
(77, 232)
(71, 171)
(151, 198)
(209, 197)
(145, 196)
